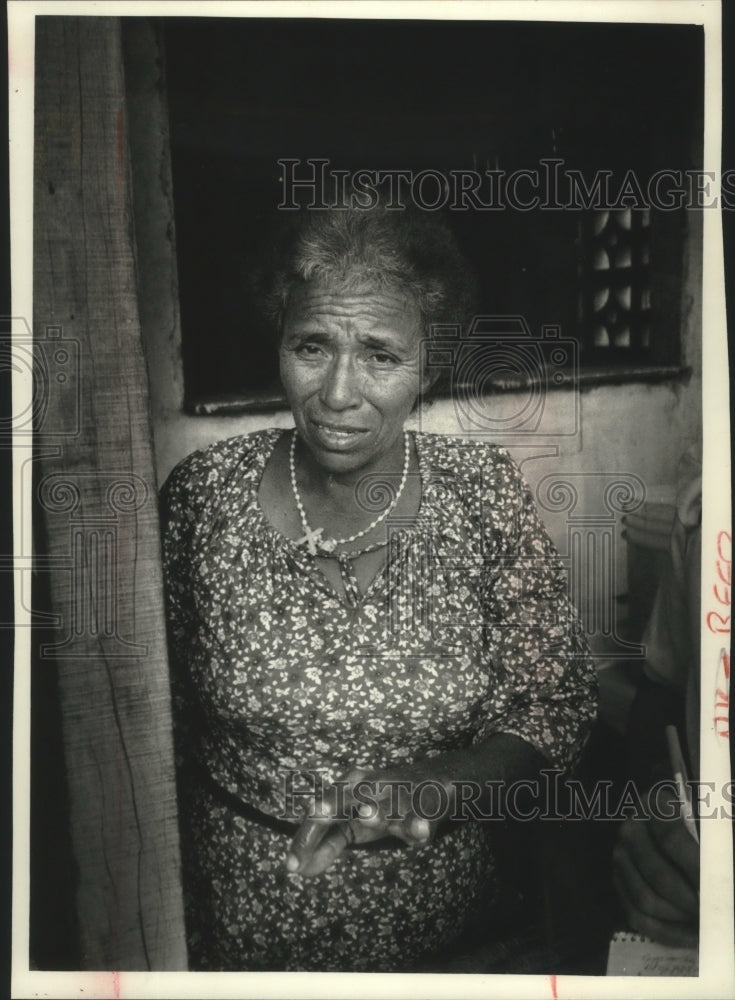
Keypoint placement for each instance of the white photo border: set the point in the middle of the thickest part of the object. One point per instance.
(717, 958)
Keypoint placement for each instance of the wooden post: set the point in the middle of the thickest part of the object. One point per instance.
(97, 493)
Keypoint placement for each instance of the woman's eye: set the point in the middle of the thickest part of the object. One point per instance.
(309, 350)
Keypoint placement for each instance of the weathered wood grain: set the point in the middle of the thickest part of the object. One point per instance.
(98, 498)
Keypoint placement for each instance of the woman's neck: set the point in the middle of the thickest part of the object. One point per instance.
(338, 490)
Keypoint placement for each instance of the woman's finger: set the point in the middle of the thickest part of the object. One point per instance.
(381, 800)
(312, 830)
(371, 798)
(326, 852)
(418, 828)
(382, 804)
(413, 830)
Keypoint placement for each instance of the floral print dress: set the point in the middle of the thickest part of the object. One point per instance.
(466, 632)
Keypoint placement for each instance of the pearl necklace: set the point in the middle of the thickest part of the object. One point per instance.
(312, 538)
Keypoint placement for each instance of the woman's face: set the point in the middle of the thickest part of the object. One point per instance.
(350, 365)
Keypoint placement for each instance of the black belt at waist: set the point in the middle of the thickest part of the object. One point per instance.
(286, 828)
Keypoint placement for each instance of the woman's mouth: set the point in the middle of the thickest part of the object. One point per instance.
(337, 435)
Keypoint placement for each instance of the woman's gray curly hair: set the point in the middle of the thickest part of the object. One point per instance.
(408, 250)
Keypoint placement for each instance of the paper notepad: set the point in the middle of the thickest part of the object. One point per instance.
(637, 955)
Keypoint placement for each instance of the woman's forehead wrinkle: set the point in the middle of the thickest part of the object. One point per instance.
(378, 306)
(359, 319)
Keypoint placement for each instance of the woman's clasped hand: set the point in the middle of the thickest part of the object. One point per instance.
(368, 806)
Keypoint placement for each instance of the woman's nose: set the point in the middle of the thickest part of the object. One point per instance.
(340, 389)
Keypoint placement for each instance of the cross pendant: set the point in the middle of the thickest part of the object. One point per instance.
(311, 537)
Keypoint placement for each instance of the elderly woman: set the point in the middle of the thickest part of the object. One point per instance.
(352, 600)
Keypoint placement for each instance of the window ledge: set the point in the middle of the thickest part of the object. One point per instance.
(623, 374)
(235, 404)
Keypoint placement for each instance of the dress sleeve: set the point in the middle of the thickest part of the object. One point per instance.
(545, 684)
